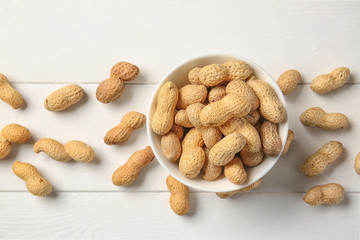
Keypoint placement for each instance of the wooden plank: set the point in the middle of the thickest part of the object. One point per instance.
(90, 120)
(148, 216)
(79, 42)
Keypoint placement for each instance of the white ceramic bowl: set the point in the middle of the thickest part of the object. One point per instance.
(178, 75)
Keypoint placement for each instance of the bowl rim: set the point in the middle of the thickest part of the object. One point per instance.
(164, 79)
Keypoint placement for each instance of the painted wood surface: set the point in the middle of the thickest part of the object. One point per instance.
(45, 45)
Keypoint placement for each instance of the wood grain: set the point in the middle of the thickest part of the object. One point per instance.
(148, 215)
(79, 42)
(47, 44)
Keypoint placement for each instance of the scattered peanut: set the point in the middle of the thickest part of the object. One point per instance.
(179, 198)
(109, 90)
(329, 82)
(193, 157)
(317, 117)
(237, 70)
(249, 188)
(289, 139)
(15, 133)
(35, 183)
(331, 193)
(288, 81)
(244, 90)
(191, 93)
(12, 133)
(52, 148)
(8, 94)
(210, 135)
(217, 113)
(253, 142)
(216, 93)
(163, 117)
(182, 119)
(5, 147)
(122, 132)
(79, 151)
(64, 98)
(327, 154)
(271, 107)
(124, 71)
(171, 146)
(270, 138)
(251, 159)
(212, 75)
(128, 173)
(224, 151)
(235, 172)
(357, 163)
(210, 170)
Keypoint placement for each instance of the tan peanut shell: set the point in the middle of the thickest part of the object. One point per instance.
(224, 151)
(52, 148)
(235, 172)
(217, 113)
(317, 162)
(253, 142)
(182, 119)
(331, 193)
(317, 117)
(15, 133)
(124, 71)
(258, 125)
(163, 117)
(212, 75)
(251, 159)
(288, 81)
(178, 130)
(244, 90)
(191, 93)
(329, 82)
(5, 147)
(129, 172)
(109, 90)
(194, 76)
(193, 157)
(210, 135)
(171, 146)
(79, 151)
(249, 188)
(64, 98)
(35, 183)
(211, 171)
(122, 132)
(9, 94)
(253, 117)
(271, 107)
(357, 163)
(270, 138)
(237, 70)
(216, 93)
(289, 139)
(12, 133)
(179, 196)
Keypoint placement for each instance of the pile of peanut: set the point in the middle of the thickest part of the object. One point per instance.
(229, 119)
(224, 121)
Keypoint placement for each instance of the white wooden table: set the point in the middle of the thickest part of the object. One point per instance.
(45, 45)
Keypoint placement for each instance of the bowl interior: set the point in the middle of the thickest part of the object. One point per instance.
(179, 76)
